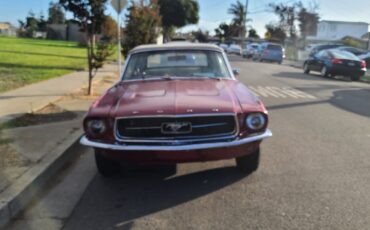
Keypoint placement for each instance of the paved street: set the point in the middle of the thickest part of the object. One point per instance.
(314, 173)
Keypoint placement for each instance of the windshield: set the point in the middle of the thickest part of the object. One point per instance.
(274, 47)
(197, 64)
(344, 55)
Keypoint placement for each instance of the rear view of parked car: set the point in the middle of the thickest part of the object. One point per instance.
(224, 46)
(270, 52)
(250, 50)
(335, 62)
(234, 49)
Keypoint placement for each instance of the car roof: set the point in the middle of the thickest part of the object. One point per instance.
(176, 46)
(271, 43)
(347, 47)
(334, 51)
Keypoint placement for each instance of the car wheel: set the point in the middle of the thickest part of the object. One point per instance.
(355, 78)
(248, 163)
(324, 72)
(306, 70)
(106, 167)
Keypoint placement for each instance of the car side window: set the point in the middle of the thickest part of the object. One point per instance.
(318, 55)
(325, 55)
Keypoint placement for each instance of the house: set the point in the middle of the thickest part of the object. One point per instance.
(7, 29)
(336, 30)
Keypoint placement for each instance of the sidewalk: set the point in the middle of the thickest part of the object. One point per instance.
(47, 139)
(296, 64)
(35, 96)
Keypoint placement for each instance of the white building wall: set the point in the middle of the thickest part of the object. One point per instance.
(338, 30)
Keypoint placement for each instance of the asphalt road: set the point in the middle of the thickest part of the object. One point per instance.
(314, 173)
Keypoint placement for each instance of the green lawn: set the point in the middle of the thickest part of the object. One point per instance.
(25, 61)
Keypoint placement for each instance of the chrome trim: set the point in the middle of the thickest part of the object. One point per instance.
(141, 128)
(188, 139)
(194, 126)
(186, 147)
(209, 125)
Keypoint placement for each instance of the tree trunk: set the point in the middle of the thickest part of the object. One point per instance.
(90, 64)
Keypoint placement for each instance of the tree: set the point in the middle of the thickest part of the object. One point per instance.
(109, 29)
(30, 26)
(226, 31)
(177, 13)
(200, 36)
(308, 20)
(42, 23)
(90, 15)
(253, 34)
(240, 17)
(142, 25)
(275, 33)
(56, 14)
(287, 17)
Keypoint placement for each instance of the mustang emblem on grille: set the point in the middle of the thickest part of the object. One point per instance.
(176, 128)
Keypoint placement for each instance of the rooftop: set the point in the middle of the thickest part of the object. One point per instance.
(177, 46)
(344, 22)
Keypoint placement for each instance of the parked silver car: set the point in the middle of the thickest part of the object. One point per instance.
(234, 49)
(250, 50)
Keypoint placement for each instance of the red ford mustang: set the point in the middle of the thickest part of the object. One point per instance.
(176, 103)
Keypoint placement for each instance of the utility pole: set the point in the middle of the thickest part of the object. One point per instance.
(118, 5)
(119, 45)
(246, 18)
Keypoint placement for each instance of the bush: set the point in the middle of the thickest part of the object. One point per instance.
(142, 25)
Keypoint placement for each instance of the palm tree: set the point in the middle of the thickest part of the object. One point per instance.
(240, 17)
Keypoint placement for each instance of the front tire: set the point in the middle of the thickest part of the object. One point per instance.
(324, 72)
(306, 70)
(355, 78)
(248, 163)
(106, 167)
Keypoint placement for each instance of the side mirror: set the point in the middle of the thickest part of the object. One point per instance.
(236, 72)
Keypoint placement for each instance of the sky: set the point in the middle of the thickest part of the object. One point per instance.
(212, 12)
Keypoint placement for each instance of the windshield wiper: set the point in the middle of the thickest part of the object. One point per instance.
(207, 77)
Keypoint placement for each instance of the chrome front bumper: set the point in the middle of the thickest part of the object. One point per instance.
(185, 147)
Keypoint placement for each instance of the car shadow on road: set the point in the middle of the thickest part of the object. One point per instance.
(299, 76)
(355, 101)
(312, 76)
(117, 202)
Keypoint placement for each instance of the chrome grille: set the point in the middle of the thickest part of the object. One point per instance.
(176, 127)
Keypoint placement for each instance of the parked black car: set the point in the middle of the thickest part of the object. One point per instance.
(335, 62)
(319, 48)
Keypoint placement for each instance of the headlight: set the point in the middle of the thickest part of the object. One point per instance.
(255, 121)
(96, 126)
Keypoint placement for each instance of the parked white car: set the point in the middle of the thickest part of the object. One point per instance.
(224, 46)
(234, 49)
(250, 50)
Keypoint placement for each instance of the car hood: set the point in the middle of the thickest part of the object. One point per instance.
(173, 97)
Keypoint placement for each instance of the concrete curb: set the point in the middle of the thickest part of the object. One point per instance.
(15, 198)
